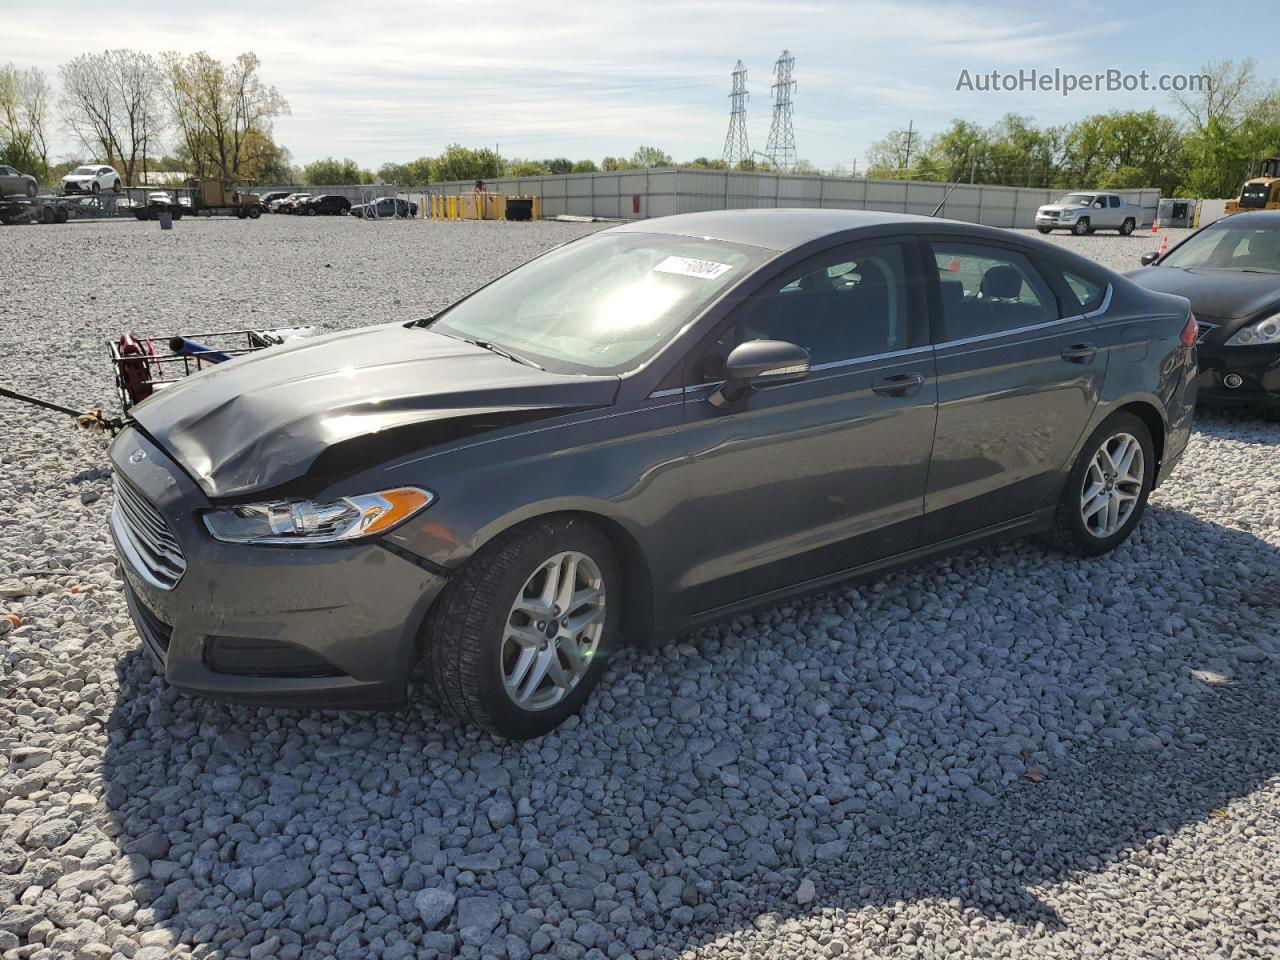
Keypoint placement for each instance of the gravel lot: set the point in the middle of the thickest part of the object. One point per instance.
(1006, 753)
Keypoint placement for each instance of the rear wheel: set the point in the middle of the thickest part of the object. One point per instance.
(1082, 227)
(31, 189)
(1127, 227)
(1107, 489)
(48, 214)
(116, 186)
(521, 635)
(60, 215)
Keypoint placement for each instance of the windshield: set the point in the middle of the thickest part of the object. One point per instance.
(1229, 246)
(603, 304)
(1077, 199)
(79, 170)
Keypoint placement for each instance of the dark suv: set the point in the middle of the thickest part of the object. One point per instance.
(658, 425)
(331, 204)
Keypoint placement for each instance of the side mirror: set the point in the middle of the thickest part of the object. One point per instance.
(757, 364)
(1150, 257)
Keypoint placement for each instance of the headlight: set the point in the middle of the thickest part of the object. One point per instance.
(1258, 333)
(302, 522)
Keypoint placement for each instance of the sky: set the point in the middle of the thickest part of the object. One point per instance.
(391, 80)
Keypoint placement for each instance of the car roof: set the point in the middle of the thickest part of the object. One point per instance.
(786, 228)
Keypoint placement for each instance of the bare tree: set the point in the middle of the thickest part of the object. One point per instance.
(1230, 85)
(223, 112)
(111, 102)
(24, 110)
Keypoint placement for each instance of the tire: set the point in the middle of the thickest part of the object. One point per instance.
(60, 215)
(1127, 227)
(32, 189)
(311, 211)
(1045, 229)
(467, 651)
(255, 213)
(115, 187)
(240, 214)
(97, 187)
(1094, 536)
(140, 215)
(176, 214)
(48, 214)
(1082, 228)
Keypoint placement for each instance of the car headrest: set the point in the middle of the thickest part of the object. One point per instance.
(1002, 282)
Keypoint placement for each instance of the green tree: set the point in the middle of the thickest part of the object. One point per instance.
(584, 166)
(415, 173)
(526, 168)
(617, 163)
(460, 163)
(329, 171)
(705, 163)
(650, 157)
(559, 165)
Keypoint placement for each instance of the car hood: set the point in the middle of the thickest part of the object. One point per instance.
(307, 412)
(79, 177)
(1223, 294)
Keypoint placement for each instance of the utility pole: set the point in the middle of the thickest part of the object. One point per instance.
(735, 140)
(910, 132)
(781, 148)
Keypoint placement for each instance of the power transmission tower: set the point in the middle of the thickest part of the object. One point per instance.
(735, 141)
(781, 147)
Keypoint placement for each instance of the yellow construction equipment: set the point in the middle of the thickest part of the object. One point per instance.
(1262, 192)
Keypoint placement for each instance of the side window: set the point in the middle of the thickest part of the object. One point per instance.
(1114, 202)
(1087, 293)
(989, 290)
(840, 305)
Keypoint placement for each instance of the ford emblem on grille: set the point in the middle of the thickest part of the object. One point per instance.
(137, 456)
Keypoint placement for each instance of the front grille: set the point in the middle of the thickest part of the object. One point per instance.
(155, 632)
(248, 657)
(153, 549)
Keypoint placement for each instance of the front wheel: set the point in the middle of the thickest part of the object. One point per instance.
(1107, 489)
(1045, 229)
(31, 189)
(97, 187)
(521, 635)
(1082, 227)
(255, 213)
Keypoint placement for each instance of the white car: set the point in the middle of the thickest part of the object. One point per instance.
(91, 179)
(1083, 213)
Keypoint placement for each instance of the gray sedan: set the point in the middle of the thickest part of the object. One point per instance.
(659, 425)
(15, 184)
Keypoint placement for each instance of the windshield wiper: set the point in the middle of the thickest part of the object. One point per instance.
(502, 352)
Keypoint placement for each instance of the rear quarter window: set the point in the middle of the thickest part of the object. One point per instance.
(1084, 294)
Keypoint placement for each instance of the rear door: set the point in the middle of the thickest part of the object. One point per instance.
(803, 480)
(8, 181)
(1018, 379)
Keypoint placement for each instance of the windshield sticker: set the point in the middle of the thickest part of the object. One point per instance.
(704, 269)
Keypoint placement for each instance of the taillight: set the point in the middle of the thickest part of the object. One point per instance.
(1189, 331)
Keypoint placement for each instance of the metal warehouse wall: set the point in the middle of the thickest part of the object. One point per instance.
(658, 193)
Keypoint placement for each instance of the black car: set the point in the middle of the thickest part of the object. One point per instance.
(1230, 271)
(330, 204)
(385, 207)
(654, 426)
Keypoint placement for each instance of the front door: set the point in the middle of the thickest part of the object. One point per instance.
(799, 481)
(1017, 385)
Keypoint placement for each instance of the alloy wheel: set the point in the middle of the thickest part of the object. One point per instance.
(1112, 485)
(552, 631)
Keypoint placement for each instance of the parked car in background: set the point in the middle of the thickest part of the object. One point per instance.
(15, 184)
(1083, 213)
(92, 178)
(286, 204)
(654, 426)
(1230, 271)
(330, 204)
(385, 207)
(270, 198)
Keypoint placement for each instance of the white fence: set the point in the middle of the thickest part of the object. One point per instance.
(661, 192)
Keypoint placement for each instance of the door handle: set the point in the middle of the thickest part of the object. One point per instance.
(1079, 353)
(900, 385)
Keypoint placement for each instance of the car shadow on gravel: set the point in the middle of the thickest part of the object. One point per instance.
(239, 825)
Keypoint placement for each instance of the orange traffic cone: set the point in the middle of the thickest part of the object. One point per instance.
(1164, 245)
(1155, 224)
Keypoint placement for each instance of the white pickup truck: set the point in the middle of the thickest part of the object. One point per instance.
(1083, 213)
